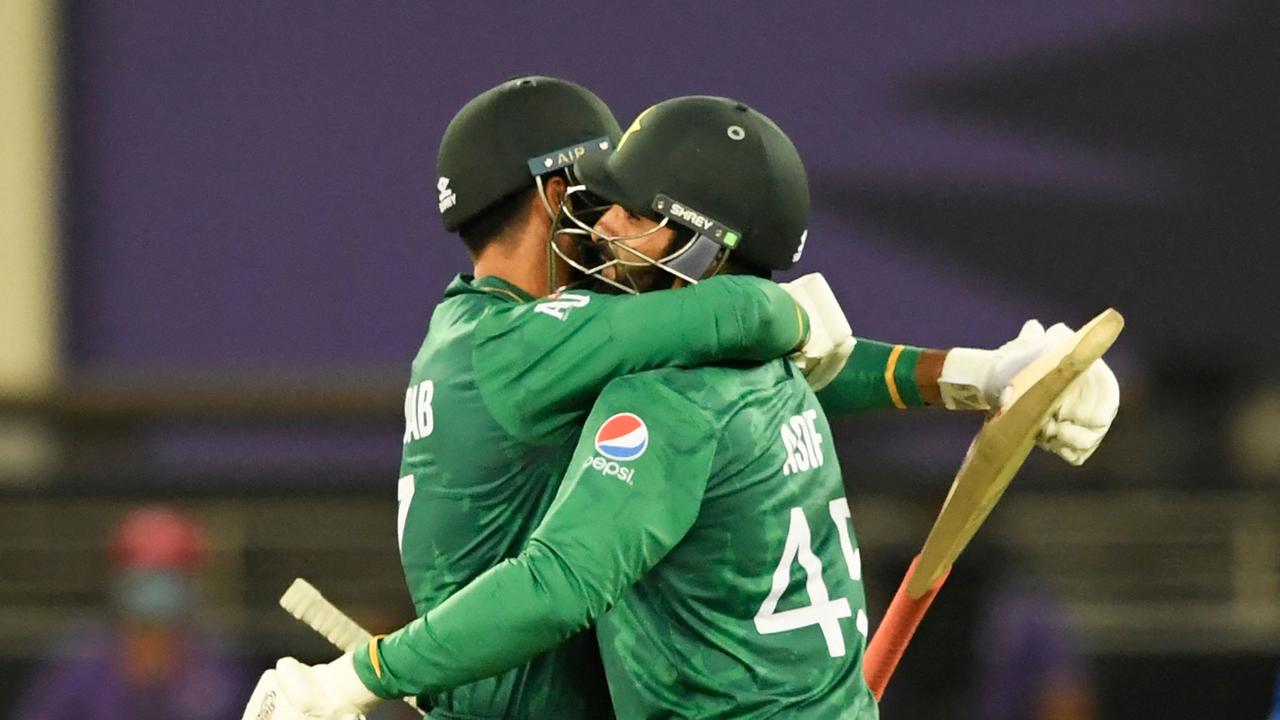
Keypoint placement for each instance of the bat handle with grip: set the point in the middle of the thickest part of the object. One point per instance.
(303, 601)
(895, 631)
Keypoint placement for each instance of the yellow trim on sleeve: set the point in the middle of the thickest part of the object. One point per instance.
(800, 321)
(373, 655)
(889, 380)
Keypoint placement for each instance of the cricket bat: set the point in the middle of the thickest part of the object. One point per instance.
(996, 454)
(303, 601)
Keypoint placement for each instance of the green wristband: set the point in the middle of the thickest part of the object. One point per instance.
(901, 378)
(878, 375)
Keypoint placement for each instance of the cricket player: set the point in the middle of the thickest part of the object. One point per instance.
(501, 384)
(702, 504)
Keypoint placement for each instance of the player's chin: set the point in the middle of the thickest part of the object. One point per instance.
(643, 279)
(600, 286)
(637, 278)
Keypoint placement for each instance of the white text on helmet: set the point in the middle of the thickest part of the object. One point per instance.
(448, 198)
(697, 219)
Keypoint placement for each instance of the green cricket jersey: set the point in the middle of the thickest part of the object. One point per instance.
(706, 508)
(495, 401)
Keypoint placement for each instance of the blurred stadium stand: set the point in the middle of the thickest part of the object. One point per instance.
(1184, 580)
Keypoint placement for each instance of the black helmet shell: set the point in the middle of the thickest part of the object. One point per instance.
(486, 150)
(717, 159)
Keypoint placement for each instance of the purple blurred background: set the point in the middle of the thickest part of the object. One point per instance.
(250, 182)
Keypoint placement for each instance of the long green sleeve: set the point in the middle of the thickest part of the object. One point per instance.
(863, 384)
(540, 365)
(605, 528)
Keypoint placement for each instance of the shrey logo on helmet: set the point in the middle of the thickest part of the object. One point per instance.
(622, 437)
(448, 198)
(804, 237)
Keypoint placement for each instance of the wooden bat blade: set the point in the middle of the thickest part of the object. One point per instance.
(1004, 443)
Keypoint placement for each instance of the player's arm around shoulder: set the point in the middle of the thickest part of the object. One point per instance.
(631, 492)
(634, 486)
(539, 365)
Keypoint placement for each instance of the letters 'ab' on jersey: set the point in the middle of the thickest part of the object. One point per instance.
(706, 508)
(495, 401)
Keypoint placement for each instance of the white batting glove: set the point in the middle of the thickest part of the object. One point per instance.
(294, 691)
(268, 702)
(979, 380)
(830, 340)
(975, 379)
(1076, 427)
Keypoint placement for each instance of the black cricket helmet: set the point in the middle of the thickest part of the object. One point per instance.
(507, 137)
(716, 167)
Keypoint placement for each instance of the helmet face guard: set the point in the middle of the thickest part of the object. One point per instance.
(695, 259)
(723, 175)
(563, 159)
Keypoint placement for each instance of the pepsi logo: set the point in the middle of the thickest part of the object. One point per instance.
(622, 437)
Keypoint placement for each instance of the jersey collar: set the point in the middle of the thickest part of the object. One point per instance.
(488, 284)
